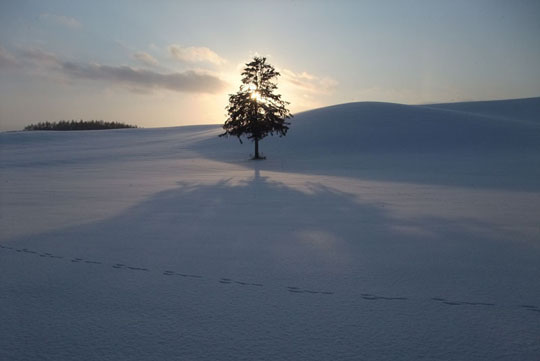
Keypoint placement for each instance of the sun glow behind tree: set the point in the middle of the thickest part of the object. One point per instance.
(255, 110)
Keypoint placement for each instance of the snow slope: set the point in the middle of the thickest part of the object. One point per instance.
(512, 109)
(372, 231)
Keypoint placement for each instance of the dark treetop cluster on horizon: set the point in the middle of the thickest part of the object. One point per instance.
(78, 125)
(255, 111)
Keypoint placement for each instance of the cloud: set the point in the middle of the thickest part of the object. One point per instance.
(145, 58)
(60, 20)
(188, 81)
(195, 54)
(39, 57)
(139, 79)
(308, 82)
(7, 59)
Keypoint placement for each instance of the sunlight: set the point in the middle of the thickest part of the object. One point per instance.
(257, 96)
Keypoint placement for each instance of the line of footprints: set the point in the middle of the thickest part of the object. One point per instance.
(290, 289)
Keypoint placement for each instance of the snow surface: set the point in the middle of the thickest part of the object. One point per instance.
(373, 231)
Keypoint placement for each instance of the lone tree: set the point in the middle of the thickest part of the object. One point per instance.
(255, 111)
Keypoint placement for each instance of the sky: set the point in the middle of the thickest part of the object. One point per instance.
(171, 63)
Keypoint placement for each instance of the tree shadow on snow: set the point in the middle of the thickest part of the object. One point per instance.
(258, 230)
(257, 259)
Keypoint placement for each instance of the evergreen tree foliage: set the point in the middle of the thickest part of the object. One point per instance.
(78, 125)
(255, 111)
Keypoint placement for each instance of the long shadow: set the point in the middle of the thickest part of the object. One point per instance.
(221, 225)
(303, 239)
(258, 259)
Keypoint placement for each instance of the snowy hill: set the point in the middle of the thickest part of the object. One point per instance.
(386, 127)
(373, 231)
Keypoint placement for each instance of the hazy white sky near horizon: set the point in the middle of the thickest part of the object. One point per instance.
(167, 63)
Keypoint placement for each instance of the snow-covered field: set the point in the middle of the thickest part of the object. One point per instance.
(373, 231)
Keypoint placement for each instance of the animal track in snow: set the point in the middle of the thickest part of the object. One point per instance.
(229, 281)
(460, 303)
(173, 273)
(372, 297)
(242, 283)
(294, 289)
(82, 260)
(123, 266)
(531, 308)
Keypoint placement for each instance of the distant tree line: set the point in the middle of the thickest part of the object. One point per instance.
(78, 125)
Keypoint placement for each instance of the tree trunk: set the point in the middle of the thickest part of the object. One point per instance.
(256, 149)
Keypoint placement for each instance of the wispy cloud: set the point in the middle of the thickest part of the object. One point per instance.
(7, 59)
(309, 82)
(136, 79)
(60, 20)
(39, 57)
(145, 58)
(193, 54)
